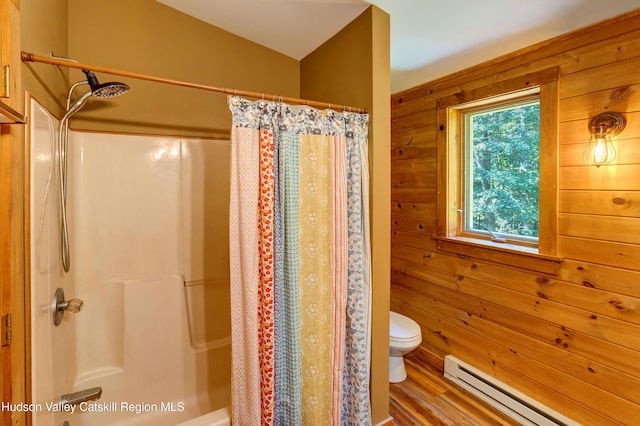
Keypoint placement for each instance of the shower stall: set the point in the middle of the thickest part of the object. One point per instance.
(147, 220)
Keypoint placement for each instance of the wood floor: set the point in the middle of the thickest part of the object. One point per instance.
(427, 398)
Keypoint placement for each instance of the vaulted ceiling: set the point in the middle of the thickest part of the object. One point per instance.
(429, 38)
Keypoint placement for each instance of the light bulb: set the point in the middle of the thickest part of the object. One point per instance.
(600, 149)
(600, 152)
(602, 127)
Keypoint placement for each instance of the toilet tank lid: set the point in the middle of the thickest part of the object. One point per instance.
(401, 327)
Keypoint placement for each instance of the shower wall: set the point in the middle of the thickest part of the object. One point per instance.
(149, 257)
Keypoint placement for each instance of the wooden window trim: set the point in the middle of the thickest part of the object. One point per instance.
(543, 258)
(457, 115)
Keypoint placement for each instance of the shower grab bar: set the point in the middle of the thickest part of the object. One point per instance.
(84, 395)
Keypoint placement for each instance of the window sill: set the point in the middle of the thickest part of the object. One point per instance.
(507, 254)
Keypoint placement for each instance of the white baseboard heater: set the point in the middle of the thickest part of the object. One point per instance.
(513, 403)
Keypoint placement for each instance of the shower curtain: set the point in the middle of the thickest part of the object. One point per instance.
(300, 265)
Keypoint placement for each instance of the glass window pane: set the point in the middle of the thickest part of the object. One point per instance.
(502, 170)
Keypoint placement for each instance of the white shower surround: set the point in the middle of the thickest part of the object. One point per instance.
(146, 214)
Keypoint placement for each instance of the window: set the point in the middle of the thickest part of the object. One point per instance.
(497, 172)
(500, 156)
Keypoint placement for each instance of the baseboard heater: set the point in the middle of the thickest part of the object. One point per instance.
(513, 403)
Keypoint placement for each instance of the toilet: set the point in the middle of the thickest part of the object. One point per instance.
(404, 336)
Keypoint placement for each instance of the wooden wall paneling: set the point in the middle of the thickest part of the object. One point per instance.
(561, 336)
(608, 76)
(580, 378)
(411, 254)
(403, 152)
(413, 195)
(559, 392)
(598, 301)
(599, 227)
(426, 228)
(576, 132)
(614, 178)
(446, 332)
(426, 211)
(412, 106)
(606, 328)
(616, 280)
(622, 99)
(627, 152)
(551, 335)
(413, 165)
(411, 239)
(419, 309)
(565, 362)
(604, 51)
(414, 136)
(600, 252)
(428, 354)
(413, 180)
(408, 122)
(569, 331)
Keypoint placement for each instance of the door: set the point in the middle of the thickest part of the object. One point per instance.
(12, 257)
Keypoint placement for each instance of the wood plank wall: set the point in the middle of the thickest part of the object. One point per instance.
(571, 340)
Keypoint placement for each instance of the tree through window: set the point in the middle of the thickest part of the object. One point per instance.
(501, 170)
(497, 171)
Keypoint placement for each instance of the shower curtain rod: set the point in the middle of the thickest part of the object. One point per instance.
(30, 57)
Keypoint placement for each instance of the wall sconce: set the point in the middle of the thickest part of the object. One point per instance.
(602, 127)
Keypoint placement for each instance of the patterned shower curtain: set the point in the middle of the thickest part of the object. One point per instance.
(300, 265)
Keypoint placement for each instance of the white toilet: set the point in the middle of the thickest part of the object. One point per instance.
(404, 336)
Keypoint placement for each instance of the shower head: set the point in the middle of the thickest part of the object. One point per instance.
(105, 90)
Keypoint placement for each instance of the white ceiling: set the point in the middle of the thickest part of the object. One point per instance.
(429, 38)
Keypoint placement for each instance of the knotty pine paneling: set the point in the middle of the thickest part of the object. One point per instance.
(618, 98)
(570, 340)
(622, 177)
(414, 136)
(607, 75)
(404, 152)
(604, 277)
(622, 255)
(413, 180)
(596, 374)
(403, 209)
(420, 226)
(593, 349)
(608, 228)
(574, 132)
(612, 203)
(627, 150)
